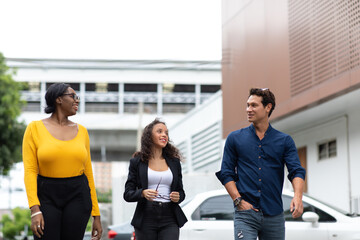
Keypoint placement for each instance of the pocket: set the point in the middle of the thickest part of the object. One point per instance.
(243, 210)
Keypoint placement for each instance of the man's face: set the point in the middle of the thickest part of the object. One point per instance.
(256, 112)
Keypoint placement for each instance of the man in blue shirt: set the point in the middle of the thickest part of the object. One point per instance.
(252, 172)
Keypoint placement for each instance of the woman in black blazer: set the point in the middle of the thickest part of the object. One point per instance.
(155, 182)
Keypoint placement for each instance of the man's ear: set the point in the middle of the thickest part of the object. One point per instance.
(268, 107)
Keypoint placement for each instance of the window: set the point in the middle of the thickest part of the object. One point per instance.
(101, 87)
(323, 216)
(34, 86)
(215, 208)
(128, 87)
(184, 88)
(210, 88)
(75, 86)
(327, 149)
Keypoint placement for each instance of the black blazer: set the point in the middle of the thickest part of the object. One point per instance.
(138, 181)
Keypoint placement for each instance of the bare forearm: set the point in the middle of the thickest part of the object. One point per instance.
(298, 185)
(232, 189)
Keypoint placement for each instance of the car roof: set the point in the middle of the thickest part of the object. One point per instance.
(324, 206)
(223, 191)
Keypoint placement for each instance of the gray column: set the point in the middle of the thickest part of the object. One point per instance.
(189, 154)
(197, 95)
(121, 98)
(139, 130)
(82, 98)
(42, 98)
(159, 99)
(103, 153)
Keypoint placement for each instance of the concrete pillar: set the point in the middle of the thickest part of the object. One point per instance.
(189, 155)
(42, 98)
(159, 99)
(82, 98)
(197, 95)
(103, 153)
(121, 98)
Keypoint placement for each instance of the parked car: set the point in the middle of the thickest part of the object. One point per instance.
(210, 216)
(121, 231)
(87, 236)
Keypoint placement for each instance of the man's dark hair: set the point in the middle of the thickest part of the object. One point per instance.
(52, 93)
(267, 97)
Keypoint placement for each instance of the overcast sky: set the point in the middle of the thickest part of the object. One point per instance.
(111, 29)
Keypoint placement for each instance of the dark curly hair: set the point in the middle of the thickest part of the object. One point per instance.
(267, 97)
(145, 153)
(52, 93)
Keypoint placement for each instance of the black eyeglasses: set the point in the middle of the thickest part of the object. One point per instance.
(73, 95)
(166, 197)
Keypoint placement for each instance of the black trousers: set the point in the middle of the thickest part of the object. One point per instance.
(66, 206)
(159, 223)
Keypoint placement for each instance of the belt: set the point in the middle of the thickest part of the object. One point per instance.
(161, 204)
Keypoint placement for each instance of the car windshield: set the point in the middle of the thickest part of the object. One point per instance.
(333, 207)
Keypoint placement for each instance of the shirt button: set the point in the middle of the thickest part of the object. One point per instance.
(259, 190)
(259, 156)
(259, 145)
(260, 180)
(259, 168)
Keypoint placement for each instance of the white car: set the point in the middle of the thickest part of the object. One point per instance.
(210, 216)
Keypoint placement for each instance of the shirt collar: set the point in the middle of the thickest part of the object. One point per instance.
(267, 130)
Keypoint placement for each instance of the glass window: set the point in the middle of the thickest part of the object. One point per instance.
(34, 86)
(90, 87)
(184, 88)
(332, 148)
(323, 216)
(215, 208)
(128, 87)
(210, 88)
(75, 86)
(327, 149)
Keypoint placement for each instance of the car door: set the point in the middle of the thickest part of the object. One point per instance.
(212, 219)
(297, 229)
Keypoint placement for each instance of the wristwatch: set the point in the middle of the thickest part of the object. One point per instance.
(237, 201)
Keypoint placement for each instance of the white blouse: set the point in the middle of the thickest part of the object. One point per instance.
(160, 180)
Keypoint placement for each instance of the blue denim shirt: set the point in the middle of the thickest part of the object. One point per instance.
(257, 166)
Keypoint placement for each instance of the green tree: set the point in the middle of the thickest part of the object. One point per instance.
(15, 225)
(104, 197)
(11, 131)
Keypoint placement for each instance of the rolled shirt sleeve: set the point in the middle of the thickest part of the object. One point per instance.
(228, 165)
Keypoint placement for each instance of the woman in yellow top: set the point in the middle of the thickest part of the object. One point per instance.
(58, 174)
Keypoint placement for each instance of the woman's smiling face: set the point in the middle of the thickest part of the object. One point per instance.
(160, 135)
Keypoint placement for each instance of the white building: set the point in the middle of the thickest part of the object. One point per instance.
(111, 92)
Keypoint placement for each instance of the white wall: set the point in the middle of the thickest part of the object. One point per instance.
(128, 76)
(328, 178)
(354, 152)
(121, 210)
(197, 119)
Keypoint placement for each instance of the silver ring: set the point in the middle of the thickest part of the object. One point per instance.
(38, 226)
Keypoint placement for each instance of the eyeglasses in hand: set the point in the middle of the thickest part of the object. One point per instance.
(166, 197)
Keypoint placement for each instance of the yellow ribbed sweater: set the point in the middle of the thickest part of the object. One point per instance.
(50, 157)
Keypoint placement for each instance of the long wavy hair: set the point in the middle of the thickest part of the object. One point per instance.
(145, 153)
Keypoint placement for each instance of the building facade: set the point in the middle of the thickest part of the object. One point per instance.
(111, 92)
(118, 98)
(308, 54)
